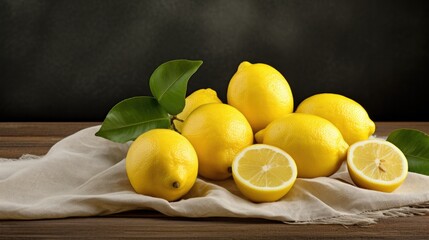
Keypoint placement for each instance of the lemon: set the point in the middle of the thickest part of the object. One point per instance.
(194, 100)
(264, 173)
(377, 164)
(162, 163)
(261, 93)
(218, 132)
(315, 144)
(347, 115)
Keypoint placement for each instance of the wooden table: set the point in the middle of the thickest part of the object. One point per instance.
(36, 138)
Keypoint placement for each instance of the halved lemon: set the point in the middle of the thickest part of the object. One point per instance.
(264, 173)
(377, 164)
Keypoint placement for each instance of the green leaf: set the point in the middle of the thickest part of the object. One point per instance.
(132, 117)
(169, 81)
(415, 146)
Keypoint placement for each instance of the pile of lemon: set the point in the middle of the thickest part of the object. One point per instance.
(262, 142)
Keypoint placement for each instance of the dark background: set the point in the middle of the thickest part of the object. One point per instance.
(73, 60)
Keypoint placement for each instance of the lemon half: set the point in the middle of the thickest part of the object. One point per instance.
(264, 173)
(377, 164)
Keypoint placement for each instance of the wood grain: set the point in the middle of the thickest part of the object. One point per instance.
(36, 138)
(17, 138)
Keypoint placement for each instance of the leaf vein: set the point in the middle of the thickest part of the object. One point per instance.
(169, 86)
(135, 124)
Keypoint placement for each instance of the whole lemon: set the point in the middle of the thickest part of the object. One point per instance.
(194, 100)
(162, 163)
(261, 93)
(347, 115)
(315, 144)
(218, 132)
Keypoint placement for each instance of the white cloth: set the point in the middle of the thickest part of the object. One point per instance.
(84, 175)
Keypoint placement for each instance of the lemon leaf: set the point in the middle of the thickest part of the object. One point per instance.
(132, 117)
(168, 83)
(415, 146)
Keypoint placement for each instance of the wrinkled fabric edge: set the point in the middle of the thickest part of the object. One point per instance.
(23, 157)
(371, 217)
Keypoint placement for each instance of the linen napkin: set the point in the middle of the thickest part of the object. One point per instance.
(84, 175)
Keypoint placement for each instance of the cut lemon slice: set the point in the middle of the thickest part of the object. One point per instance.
(264, 173)
(377, 164)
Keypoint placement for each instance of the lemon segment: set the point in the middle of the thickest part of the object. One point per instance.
(377, 164)
(264, 173)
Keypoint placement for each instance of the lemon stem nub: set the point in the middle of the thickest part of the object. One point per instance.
(229, 169)
(176, 184)
(176, 118)
(173, 126)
